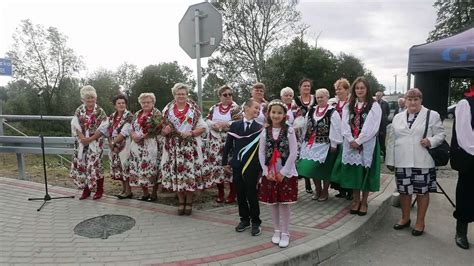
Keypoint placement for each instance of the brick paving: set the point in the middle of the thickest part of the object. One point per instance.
(161, 237)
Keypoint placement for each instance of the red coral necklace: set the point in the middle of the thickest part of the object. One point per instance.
(224, 110)
(321, 113)
(181, 115)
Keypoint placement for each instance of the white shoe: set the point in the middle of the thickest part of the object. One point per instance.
(276, 237)
(284, 240)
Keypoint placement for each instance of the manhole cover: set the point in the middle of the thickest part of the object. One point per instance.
(104, 226)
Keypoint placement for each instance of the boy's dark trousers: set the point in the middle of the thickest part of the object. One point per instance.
(247, 199)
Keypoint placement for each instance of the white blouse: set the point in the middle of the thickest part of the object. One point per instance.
(464, 131)
(367, 137)
(289, 170)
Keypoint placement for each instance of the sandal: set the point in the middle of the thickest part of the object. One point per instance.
(188, 211)
(355, 211)
(181, 210)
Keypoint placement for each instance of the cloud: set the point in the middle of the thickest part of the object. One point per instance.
(380, 33)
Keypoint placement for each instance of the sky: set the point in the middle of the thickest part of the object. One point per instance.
(107, 33)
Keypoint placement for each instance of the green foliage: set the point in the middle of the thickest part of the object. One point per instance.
(41, 57)
(159, 79)
(106, 86)
(454, 16)
(289, 64)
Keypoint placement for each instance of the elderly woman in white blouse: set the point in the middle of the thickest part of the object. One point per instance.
(408, 155)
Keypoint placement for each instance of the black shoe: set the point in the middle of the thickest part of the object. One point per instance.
(309, 191)
(129, 196)
(398, 226)
(145, 198)
(340, 195)
(415, 232)
(349, 196)
(461, 241)
(242, 226)
(256, 230)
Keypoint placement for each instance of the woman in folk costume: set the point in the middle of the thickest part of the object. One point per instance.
(294, 115)
(258, 94)
(358, 166)
(321, 135)
(145, 149)
(182, 161)
(86, 168)
(305, 101)
(342, 88)
(117, 129)
(277, 153)
(220, 117)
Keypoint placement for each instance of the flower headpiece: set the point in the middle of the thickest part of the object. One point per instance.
(277, 102)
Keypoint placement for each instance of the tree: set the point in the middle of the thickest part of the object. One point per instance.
(454, 16)
(106, 86)
(211, 84)
(126, 75)
(252, 30)
(42, 58)
(159, 79)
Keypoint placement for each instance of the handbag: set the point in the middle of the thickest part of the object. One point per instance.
(439, 154)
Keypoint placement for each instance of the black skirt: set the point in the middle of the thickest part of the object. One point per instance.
(465, 198)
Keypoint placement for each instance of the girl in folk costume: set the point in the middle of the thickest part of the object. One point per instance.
(305, 101)
(321, 135)
(277, 153)
(342, 88)
(220, 117)
(258, 94)
(117, 129)
(145, 150)
(86, 168)
(182, 161)
(358, 166)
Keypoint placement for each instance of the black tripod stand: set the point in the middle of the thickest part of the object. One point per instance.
(442, 192)
(47, 197)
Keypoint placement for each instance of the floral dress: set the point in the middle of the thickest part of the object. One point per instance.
(214, 147)
(86, 167)
(182, 161)
(111, 128)
(145, 157)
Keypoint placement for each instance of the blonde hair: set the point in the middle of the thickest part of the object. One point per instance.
(179, 86)
(88, 91)
(258, 85)
(323, 91)
(287, 90)
(342, 82)
(414, 93)
(147, 95)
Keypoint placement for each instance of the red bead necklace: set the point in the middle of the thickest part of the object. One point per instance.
(224, 110)
(318, 113)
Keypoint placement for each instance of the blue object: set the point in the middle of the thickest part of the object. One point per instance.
(5, 67)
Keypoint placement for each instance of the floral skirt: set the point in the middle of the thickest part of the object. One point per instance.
(182, 166)
(85, 171)
(272, 192)
(143, 167)
(116, 170)
(213, 159)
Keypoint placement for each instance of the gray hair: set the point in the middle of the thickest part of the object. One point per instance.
(179, 86)
(323, 91)
(88, 91)
(147, 95)
(287, 90)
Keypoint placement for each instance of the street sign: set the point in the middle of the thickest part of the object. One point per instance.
(5, 67)
(200, 32)
(210, 29)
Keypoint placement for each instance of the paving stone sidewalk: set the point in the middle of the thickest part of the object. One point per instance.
(318, 230)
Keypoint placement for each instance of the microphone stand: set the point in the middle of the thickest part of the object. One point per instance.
(46, 197)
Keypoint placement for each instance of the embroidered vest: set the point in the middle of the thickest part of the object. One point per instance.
(363, 116)
(321, 127)
(281, 143)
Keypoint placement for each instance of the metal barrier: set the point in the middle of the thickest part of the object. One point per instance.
(24, 144)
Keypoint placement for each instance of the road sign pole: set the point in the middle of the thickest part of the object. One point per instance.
(198, 56)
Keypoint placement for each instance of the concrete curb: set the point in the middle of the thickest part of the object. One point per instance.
(340, 240)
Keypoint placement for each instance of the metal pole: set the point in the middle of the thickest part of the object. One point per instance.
(1, 119)
(395, 83)
(408, 81)
(198, 55)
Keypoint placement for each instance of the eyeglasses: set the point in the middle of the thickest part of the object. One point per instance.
(227, 94)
